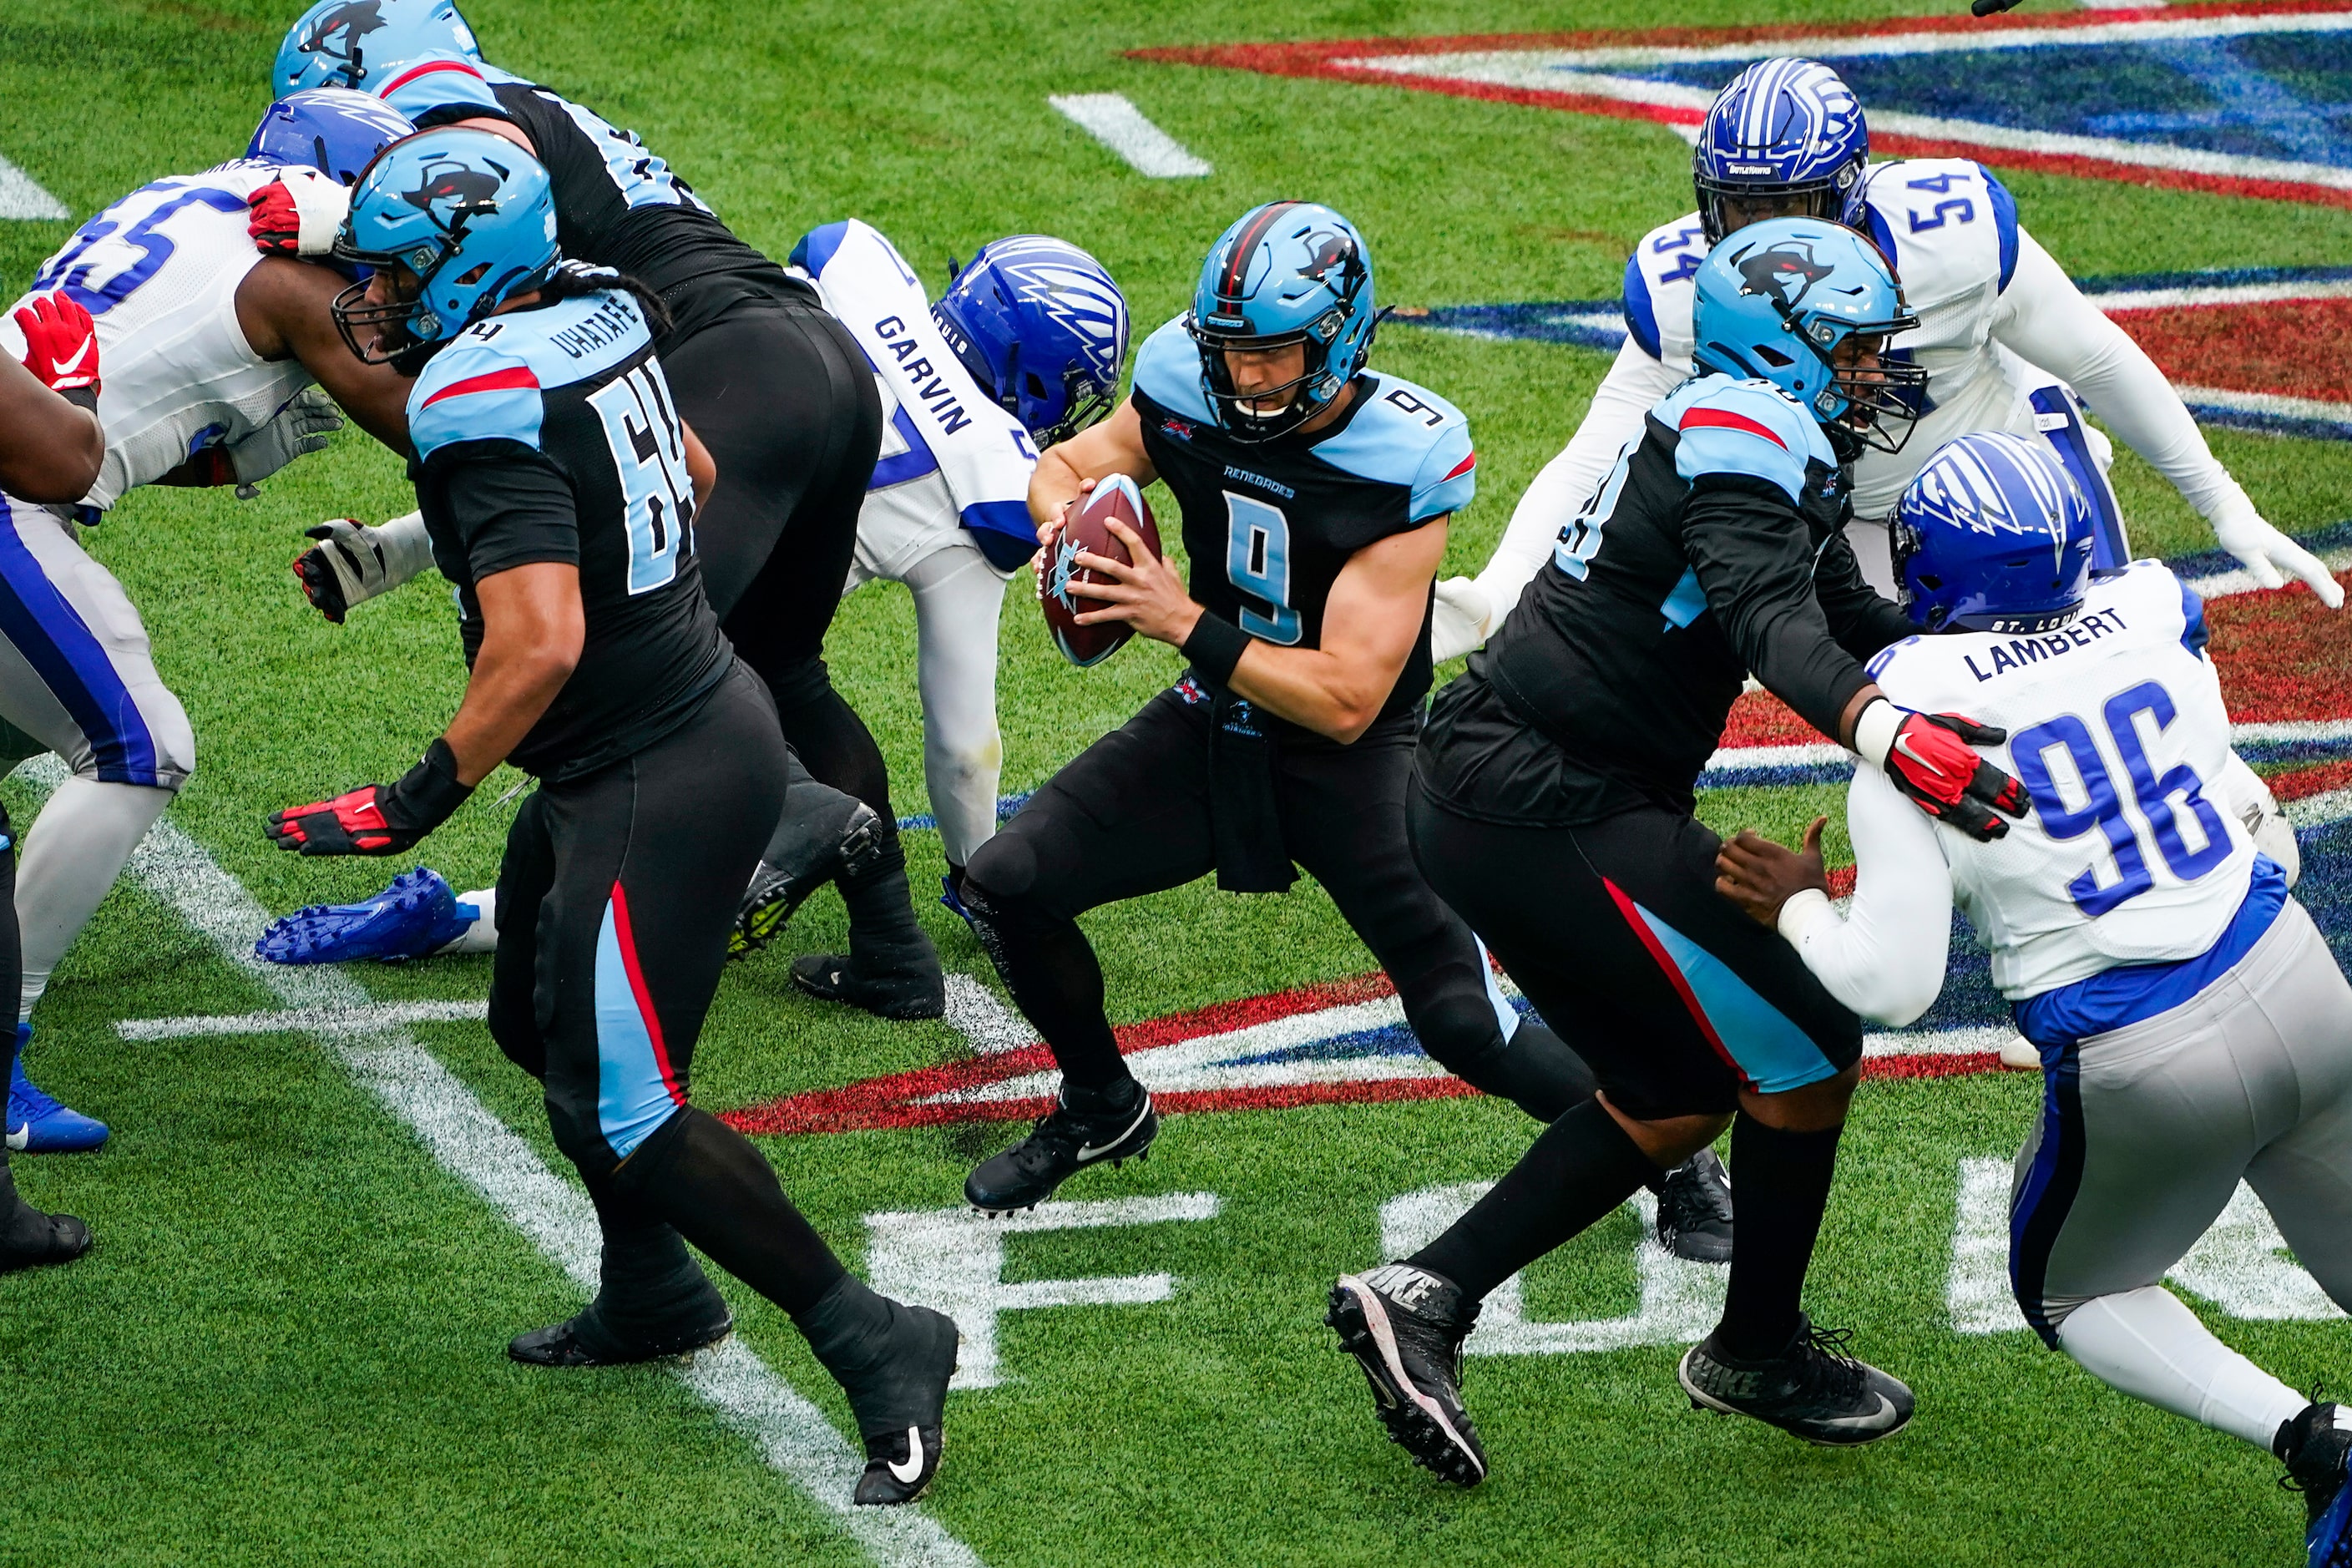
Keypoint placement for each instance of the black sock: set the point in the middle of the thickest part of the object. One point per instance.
(883, 936)
(1055, 980)
(648, 1283)
(1784, 1185)
(708, 1181)
(1582, 1167)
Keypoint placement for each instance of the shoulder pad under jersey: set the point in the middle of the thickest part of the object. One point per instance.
(488, 383)
(1168, 372)
(1658, 290)
(444, 86)
(1750, 428)
(1946, 224)
(1406, 434)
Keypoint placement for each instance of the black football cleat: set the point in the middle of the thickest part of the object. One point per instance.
(1405, 1327)
(917, 992)
(1695, 1210)
(894, 1361)
(584, 1339)
(1811, 1389)
(32, 1239)
(2316, 1448)
(1065, 1142)
(766, 908)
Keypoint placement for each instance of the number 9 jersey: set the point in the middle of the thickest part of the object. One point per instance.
(2133, 852)
(1269, 525)
(548, 435)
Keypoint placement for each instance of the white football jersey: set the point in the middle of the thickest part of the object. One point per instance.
(2117, 729)
(158, 272)
(1950, 231)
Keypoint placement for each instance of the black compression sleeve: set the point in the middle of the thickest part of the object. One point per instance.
(1754, 559)
(1862, 621)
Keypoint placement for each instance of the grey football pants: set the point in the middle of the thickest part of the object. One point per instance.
(2147, 1129)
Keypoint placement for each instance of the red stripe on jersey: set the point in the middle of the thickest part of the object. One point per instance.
(427, 68)
(517, 378)
(1724, 419)
(1461, 468)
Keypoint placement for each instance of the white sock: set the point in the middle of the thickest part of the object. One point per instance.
(73, 852)
(2147, 1344)
(482, 936)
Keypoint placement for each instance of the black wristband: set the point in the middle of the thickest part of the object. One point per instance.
(427, 795)
(80, 397)
(1216, 646)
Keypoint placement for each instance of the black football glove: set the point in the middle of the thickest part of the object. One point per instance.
(1927, 756)
(377, 819)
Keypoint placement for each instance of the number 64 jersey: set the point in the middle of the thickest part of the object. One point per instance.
(2133, 852)
(550, 434)
(1269, 525)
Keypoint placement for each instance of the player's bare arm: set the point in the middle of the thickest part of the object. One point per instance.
(533, 628)
(55, 447)
(282, 306)
(701, 467)
(1067, 470)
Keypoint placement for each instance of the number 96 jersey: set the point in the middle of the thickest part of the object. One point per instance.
(550, 434)
(1268, 525)
(2132, 853)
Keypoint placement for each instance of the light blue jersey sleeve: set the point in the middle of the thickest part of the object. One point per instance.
(1449, 474)
(474, 390)
(1168, 372)
(1745, 428)
(1406, 434)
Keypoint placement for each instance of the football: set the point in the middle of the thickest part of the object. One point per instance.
(1088, 532)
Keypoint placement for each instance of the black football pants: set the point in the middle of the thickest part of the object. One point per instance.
(1131, 815)
(781, 395)
(615, 902)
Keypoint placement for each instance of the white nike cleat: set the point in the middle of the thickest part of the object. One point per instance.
(2021, 1055)
(1811, 1389)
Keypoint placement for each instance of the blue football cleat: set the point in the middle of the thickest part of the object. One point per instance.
(418, 914)
(2328, 1542)
(953, 900)
(37, 1124)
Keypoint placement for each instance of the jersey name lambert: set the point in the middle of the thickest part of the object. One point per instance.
(2018, 652)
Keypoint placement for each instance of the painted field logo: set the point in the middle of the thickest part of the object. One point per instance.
(2239, 98)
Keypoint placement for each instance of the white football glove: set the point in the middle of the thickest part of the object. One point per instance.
(2270, 556)
(353, 563)
(1459, 623)
(302, 426)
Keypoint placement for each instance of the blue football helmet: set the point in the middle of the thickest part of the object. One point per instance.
(1786, 136)
(1042, 329)
(1288, 272)
(331, 128)
(1993, 536)
(1774, 301)
(464, 218)
(342, 43)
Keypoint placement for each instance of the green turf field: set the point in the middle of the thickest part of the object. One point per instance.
(287, 1347)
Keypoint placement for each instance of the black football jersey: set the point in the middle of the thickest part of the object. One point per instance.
(1268, 525)
(550, 434)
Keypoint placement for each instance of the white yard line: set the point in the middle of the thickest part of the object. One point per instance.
(303, 1020)
(1111, 120)
(791, 1434)
(21, 196)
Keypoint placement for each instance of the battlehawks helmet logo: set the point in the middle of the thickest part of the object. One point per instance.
(1784, 275)
(336, 34)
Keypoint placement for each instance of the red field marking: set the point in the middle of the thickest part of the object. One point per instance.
(2283, 655)
(1326, 59)
(2296, 348)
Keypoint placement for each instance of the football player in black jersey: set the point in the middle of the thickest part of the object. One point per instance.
(51, 446)
(1553, 804)
(561, 491)
(776, 387)
(1315, 497)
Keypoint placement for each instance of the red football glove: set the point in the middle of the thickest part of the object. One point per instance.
(377, 819)
(298, 213)
(60, 344)
(1927, 756)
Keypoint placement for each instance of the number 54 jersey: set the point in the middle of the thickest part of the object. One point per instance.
(2116, 728)
(550, 434)
(1268, 525)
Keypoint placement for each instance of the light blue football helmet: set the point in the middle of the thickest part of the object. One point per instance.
(1788, 132)
(469, 216)
(1042, 329)
(1774, 301)
(331, 128)
(343, 43)
(1994, 535)
(1288, 272)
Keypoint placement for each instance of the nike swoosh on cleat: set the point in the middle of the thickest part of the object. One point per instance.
(914, 1466)
(20, 1138)
(1862, 1423)
(1089, 1151)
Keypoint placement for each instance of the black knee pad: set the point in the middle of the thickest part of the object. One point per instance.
(1004, 868)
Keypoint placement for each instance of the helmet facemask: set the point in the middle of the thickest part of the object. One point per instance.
(403, 322)
(1827, 199)
(1299, 399)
